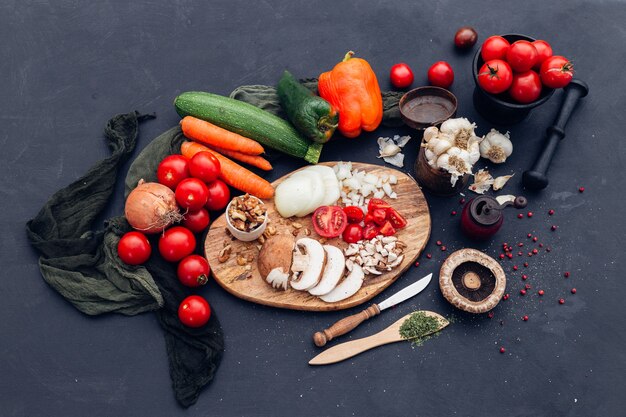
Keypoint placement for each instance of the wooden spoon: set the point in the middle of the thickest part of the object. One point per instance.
(389, 335)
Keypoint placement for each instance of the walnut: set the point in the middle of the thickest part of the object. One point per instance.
(224, 254)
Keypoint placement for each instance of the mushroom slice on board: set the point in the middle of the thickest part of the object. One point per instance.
(333, 271)
(347, 288)
(472, 281)
(309, 259)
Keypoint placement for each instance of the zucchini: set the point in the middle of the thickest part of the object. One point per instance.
(249, 121)
(313, 116)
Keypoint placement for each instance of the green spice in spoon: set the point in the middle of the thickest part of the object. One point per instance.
(420, 327)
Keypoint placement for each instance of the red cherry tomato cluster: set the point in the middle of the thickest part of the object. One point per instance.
(522, 68)
(381, 219)
(198, 190)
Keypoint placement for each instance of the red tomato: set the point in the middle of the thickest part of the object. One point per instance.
(494, 47)
(495, 76)
(329, 221)
(176, 243)
(204, 166)
(440, 74)
(353, 233)
(194, 311)
(191, 194)
(354, 214)
(377, 203)
(522, 56)
(378, 215)
(401, 75)
(193, 271)
(526, 87)
(370, 231)
(556, 72)
(387, 229)
(172, 170)
(544, 51)
(396, 219)
(219, 195)
(134, 248)
(197, 221)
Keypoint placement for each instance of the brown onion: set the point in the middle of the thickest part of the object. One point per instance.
(151, 207)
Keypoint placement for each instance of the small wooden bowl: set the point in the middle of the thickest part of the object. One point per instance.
(472, 281)
(427, 106)
(435, 180)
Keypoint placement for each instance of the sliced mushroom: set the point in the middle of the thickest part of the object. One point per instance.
(309, 258)
(347, 288)
(333, 271)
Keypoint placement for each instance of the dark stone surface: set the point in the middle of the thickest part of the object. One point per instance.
(67, 66)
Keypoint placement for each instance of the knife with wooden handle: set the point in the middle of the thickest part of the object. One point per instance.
(349, 323)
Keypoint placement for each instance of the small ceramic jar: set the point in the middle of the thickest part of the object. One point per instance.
(246, 236)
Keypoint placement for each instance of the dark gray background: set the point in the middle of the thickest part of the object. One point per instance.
(68, 66)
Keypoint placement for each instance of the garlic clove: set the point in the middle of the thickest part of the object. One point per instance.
(430, 133)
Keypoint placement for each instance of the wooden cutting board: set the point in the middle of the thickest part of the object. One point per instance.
(248, 284)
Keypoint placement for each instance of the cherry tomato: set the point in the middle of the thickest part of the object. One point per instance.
(329, 221)
(194, 311)
(193, 271)
(205, 166)
(465, 37)
(172, 170)
(544, 51)
(191, 194)
(176, 243)
(526, 87)
(494, 47)
(556, 72)
(353, 233)
(522, 56)
(354, 214)
(378, 215)
(370, 231)
(387, 229)
(134, 248)
(196, 221)
(375, 203)
(396, 219)
(440, 74)
(219, 195)
(401, 75)
(495, 76)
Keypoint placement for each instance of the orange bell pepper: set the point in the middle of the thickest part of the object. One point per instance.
(352, 88)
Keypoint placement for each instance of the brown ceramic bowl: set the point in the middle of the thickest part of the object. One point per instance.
(423, 107)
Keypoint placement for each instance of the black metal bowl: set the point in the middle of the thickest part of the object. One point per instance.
(501, 109)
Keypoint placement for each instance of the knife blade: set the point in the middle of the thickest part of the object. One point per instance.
(349, 323)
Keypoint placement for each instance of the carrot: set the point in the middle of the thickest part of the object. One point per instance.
(210, 134)
(232, 173)
(254, 160)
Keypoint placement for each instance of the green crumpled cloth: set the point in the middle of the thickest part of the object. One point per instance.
(82, 265)
(265, 97)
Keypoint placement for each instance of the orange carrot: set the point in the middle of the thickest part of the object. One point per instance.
(232, 173)
(254, 160)
(209, 134)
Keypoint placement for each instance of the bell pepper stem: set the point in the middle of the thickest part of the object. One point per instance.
(349, 55)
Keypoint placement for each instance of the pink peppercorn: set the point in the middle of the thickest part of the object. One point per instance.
(561, 301)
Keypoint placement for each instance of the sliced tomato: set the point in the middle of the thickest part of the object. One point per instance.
(387, 229)
(396, 219)
(353, 233)
(379, 216)
(354, 213)
(370, 231)
(329, 221)
(377, 203)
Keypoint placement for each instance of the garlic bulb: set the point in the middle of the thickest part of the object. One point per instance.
(453, 148)
(496, 146)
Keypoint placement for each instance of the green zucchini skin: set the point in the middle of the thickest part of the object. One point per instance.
(249, 121)
(313, 116)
